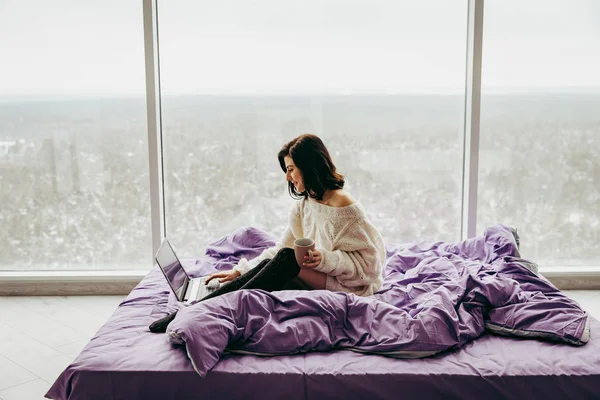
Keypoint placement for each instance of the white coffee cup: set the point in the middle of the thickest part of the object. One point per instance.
(303, 247)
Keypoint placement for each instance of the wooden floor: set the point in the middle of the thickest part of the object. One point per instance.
(40, 336)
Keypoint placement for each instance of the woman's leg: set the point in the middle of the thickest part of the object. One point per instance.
(314, 279)
(239, 282)
(276, 274)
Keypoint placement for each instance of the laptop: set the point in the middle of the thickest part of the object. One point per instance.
(186, 289)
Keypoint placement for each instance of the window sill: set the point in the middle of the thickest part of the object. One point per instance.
(573, 278)
(73, 283)
(68, 283)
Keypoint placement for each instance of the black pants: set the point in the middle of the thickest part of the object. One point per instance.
(278, 273)
(270, 275)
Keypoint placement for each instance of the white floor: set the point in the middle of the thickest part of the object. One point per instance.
(40, 336)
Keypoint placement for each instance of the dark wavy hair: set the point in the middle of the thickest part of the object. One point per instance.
(314, 162)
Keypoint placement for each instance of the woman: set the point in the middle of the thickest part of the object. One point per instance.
(349, 252)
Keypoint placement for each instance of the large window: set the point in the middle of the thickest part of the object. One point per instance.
(382, 82)
(73, 142)
(540, 127)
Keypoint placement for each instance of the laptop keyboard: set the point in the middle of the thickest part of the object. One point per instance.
(203, 290)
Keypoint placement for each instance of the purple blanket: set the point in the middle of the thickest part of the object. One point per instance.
(435, 297)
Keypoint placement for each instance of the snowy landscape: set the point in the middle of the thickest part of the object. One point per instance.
(75, 186)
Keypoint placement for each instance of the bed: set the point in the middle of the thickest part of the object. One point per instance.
(125, 361)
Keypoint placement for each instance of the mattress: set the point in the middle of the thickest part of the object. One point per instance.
(125, 361)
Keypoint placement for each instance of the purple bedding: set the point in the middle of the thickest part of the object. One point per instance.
(435, 298)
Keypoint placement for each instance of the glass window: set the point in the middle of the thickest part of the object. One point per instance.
(381, 82)
(540, 127)
(73, 142)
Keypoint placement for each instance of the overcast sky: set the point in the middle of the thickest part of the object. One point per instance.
(294, 47)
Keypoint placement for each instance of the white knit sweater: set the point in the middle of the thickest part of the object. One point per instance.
(353, 252)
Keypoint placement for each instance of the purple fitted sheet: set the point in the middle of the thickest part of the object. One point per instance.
(125, 361)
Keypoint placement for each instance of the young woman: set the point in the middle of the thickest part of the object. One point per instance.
(349, 252)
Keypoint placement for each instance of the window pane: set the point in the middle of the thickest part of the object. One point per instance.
(73, 142)
(540, 127)
(381, 82)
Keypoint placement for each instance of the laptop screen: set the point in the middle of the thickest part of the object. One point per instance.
(172, 269)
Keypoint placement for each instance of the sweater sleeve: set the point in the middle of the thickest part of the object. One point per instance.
(356, 256)
(286, 240)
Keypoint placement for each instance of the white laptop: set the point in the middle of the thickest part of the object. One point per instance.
(186, 289)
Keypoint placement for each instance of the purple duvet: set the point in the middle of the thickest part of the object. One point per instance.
(436, 297)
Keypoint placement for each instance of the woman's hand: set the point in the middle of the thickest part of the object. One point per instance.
(224, 276)
(314, 261)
